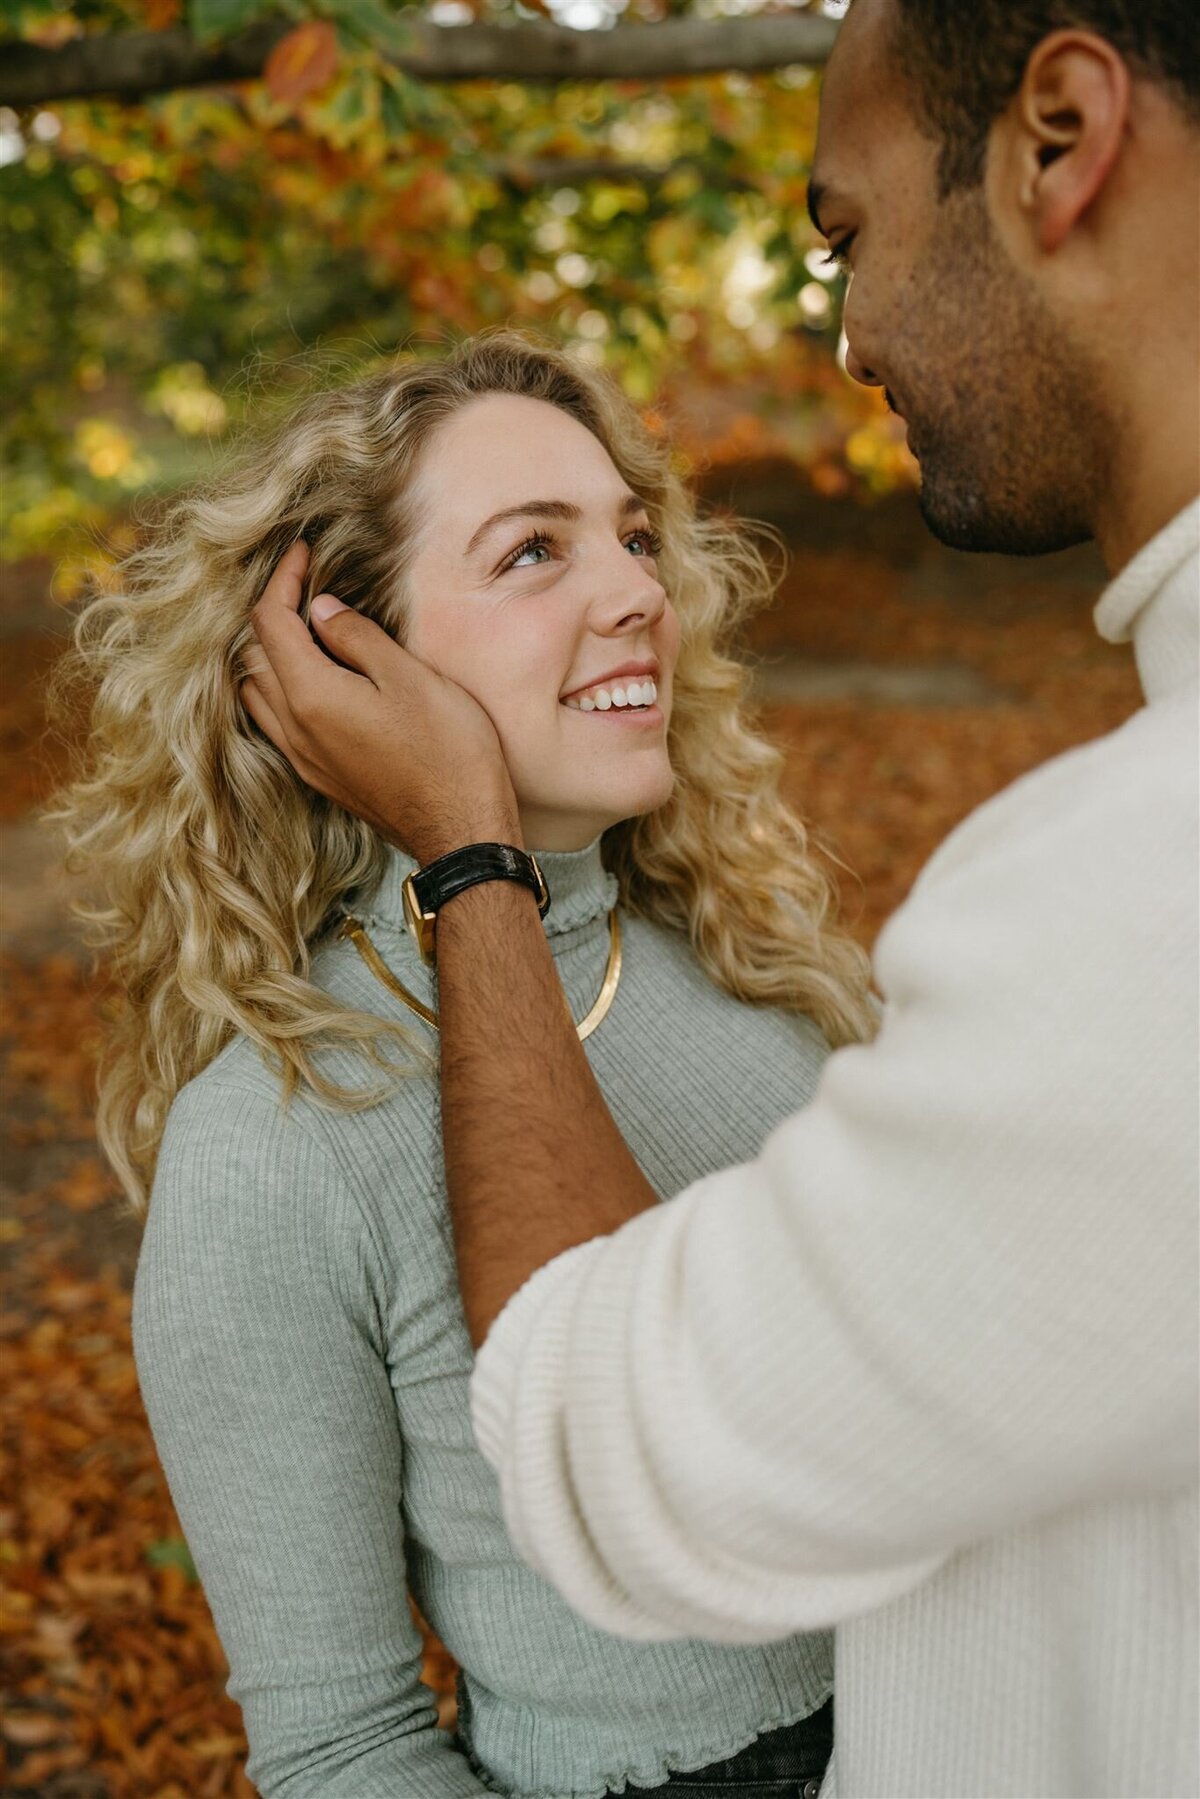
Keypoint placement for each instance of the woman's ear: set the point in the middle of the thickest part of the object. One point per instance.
(1062, 134)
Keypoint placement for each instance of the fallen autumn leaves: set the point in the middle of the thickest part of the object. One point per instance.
(114, 1677)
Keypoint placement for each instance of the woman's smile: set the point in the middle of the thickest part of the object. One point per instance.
(630, 691)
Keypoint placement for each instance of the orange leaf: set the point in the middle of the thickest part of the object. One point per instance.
(302, 62)
(210, 1748)
(31, 1728)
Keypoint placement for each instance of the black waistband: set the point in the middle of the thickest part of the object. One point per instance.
(793, 1753)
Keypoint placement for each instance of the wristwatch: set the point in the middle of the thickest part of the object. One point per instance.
(427, 889)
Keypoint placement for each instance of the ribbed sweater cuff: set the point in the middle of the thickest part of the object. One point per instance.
(495, 1376)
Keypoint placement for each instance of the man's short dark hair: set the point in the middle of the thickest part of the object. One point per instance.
(964, 59)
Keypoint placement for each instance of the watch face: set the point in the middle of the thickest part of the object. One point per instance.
(419, 923)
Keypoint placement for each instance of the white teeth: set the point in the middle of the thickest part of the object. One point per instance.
(603, 699)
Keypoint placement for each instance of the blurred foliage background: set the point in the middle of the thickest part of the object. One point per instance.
(165, 262)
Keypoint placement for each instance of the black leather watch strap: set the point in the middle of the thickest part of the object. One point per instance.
(428, 889)
(451, 875)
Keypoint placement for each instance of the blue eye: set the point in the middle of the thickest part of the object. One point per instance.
(537, 550)
(542, 541)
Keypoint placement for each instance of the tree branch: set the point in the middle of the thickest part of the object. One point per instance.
(577, 171)
(131, 65)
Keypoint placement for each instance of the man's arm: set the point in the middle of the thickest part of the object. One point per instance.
(534, 1162)
(953, 1296)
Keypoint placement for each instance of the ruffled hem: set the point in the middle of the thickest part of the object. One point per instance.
(659, 1771)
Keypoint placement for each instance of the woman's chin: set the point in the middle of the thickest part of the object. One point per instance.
(561, 829)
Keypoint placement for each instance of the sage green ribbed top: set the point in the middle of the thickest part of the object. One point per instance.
(304, 1361)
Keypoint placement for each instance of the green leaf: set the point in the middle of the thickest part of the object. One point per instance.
(714, 209)
(172, 1552)
(210, 19)
(394, 112)
(373, 22)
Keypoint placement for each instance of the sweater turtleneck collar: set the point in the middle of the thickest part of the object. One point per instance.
(581, 890)
(1153, 601)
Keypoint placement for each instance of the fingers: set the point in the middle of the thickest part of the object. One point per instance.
(359, 643)
(276, 618)
(257, 702)
(287, 583)
(260, 676)
(264, 716)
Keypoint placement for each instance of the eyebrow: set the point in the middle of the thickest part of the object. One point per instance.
(563, 509)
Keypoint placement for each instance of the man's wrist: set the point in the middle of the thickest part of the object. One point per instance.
(498, 824)
(432, 887)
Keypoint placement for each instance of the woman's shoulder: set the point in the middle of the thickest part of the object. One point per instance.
(234, 1137)
(234, 1142)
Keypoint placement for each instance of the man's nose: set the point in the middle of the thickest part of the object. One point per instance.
(859, 371)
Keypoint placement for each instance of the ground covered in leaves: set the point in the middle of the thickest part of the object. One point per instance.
(905, 684)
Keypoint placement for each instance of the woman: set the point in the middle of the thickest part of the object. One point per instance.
(298, 1332)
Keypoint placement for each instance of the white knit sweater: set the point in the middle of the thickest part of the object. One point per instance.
(927, 1369)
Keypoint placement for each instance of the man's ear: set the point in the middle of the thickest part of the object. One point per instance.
(1062, 133)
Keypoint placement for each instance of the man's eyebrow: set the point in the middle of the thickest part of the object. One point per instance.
(563, 509)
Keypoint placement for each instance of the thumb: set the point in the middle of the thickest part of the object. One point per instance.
(356, 642)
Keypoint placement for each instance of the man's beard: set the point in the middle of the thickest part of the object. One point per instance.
(968, 506)
(1011, 435)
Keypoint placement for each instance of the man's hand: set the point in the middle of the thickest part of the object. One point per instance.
(382, 735)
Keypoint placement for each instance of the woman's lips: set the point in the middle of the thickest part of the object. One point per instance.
(644, 716)
(630, 716)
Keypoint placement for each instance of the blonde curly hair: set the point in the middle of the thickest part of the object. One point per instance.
(221, 871)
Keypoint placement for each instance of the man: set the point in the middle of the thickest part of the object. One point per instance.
(926, 1369)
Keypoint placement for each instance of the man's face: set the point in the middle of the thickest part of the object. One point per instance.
(1001, 408)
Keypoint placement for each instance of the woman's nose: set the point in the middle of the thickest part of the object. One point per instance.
(634, 598)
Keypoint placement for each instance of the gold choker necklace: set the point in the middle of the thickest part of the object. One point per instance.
(355, 931)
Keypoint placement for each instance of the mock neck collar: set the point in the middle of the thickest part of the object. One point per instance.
(1155, 602)
(581, 889)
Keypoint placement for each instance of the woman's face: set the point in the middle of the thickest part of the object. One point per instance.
(534, 586)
